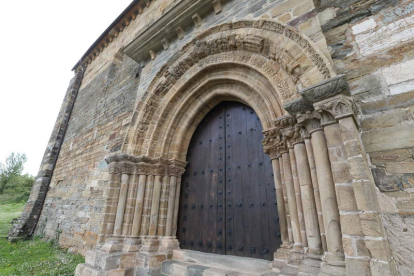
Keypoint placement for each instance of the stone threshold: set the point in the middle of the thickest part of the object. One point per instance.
(214, 264)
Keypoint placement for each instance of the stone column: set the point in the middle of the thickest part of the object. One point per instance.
(175, 171)
(130, 205)
(311, 161)
(125, 172)
(298, 196)
(270, 147)
(309, 205)
(328, 199)
(136, 225)
(170, 211)
(293, 208)
(176, 206)
(147, 205)
(155, 205)
(285, 201)
(329, 204)
(162, 220)
(361, 221)
(111, 195)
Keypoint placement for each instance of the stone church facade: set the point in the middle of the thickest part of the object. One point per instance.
(329, 88)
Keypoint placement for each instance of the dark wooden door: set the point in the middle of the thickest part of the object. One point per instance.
(228, 199)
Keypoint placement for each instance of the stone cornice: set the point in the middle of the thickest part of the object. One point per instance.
(326, 89)
(169, 27)
(118, 26)
(128, 164)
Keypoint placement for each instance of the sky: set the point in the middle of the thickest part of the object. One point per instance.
(41, 42)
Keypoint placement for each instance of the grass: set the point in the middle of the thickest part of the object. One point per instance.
(36, 257)
(7, 213)
(31, 257)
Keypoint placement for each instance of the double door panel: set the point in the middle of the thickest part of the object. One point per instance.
(228, 200)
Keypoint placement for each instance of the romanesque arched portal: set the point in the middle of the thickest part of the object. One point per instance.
(262, 64)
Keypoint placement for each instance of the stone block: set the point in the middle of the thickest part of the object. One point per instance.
(364, 195)
(353, 148)
(357, 267)
(358, 168)
(378, 249)
(351, 224)
(340, 173)
(346, 198)
(371, 224)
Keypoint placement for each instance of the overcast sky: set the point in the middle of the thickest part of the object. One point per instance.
(41, 42)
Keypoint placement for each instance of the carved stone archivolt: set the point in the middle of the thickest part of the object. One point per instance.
(230, 43)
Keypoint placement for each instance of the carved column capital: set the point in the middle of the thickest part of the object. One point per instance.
(310, 120)
(143, 168)
(126, 168)
(339, 106)
(273, 144)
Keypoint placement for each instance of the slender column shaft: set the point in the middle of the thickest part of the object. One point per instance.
(308, 199)
(293, 209)
(121, 205)
(147, 205)
(298, 196)
(162, 220)
(176, 206)
(130, 205)
(170, 211)
(285, 200)
(328, 197)
(311, 160)
(155, 205)
(136, 225)
(280, 203)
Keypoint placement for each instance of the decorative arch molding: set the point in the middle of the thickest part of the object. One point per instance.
(262, 64)
(281, 58)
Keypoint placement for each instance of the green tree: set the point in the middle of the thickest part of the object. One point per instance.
(11, 169)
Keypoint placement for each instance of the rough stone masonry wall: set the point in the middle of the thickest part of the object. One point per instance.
(73, 209)
(372, 43)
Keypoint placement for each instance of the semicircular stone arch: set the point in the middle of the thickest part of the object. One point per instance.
(269, 62)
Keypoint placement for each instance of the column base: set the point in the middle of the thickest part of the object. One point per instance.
(168, 244)
(281, 257)
(131, 244)
(296, 256)
(332, 270)
(99, 263)
(113, 244)
(148, 263)
(311, 265)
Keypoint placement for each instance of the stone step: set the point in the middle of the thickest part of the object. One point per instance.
(225, 262)
(181, 268)
(289, 270)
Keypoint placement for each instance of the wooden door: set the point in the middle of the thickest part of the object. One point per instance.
(228, 199)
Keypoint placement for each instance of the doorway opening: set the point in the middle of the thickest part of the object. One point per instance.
(228, 199)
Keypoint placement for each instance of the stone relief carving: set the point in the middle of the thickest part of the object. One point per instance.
(297, 106)
(339, 106)
(311, 120)
(326, 89)
(128, 164)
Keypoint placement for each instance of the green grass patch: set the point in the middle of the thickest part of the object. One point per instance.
(36, 257)
(7, 213)
(31, 257)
